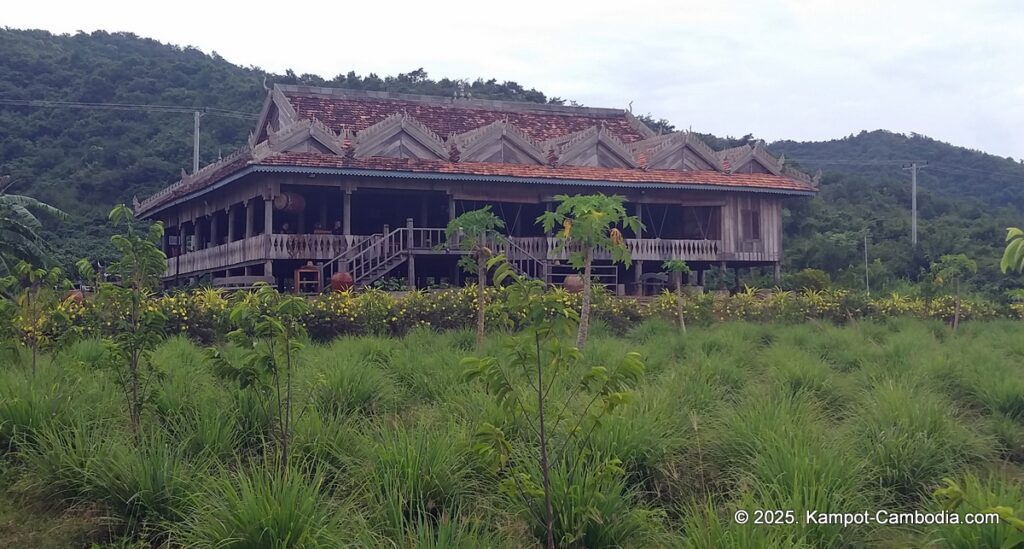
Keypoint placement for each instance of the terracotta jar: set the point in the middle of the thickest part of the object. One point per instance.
(74, 295)
(341, 281)
(573, 284)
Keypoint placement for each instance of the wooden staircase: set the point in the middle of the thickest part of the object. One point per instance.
(377, 255)
(370, 259)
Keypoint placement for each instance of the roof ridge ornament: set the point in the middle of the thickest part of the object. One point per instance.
(552, 157)
(348, 145)
(454, 155)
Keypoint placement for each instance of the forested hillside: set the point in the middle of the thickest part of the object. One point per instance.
(84, 160)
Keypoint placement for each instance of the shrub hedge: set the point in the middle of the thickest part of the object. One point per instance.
(202, 315)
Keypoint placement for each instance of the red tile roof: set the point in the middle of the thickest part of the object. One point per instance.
(541, 124)
(625, 176)
(356, 111)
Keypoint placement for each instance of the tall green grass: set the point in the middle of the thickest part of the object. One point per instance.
(257, 508)
(875, 414)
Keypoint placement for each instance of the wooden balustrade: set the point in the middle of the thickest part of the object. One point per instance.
(365, 253)
(261, 248)
(656, 249)
(426, 239)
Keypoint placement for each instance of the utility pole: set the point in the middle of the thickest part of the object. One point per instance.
(913, 167)
(195, 141)
(867, 283)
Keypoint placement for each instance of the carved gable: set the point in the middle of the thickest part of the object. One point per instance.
(305, 136)
(678, 151)
(499, 141)
(592, 147)
(752, 159)
(400, 136)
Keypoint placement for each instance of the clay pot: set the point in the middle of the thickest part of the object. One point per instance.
(573, 284)
(341, 281)
(74, 295)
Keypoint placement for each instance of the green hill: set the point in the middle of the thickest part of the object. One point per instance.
(85, 160)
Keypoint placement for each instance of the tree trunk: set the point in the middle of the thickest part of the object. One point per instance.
(581, 336)
(481, 295)
(679, 301)
(135, 407)
(956, 307)
(549, 513)
(285, 435)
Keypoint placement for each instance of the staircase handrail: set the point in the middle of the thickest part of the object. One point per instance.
(329, 267)
(541, 265)
(394, 243)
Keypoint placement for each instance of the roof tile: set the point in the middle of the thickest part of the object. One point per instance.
(575, 173)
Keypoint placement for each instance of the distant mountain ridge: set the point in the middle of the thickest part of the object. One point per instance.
(85, 160)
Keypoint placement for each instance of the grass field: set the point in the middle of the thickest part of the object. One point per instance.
(873, 415)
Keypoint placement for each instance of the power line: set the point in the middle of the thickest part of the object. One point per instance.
(178, 109)
(196, 112)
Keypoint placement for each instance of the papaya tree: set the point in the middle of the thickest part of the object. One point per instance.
(952, 269)
(473, 231)
(677, 268)
(589, 223)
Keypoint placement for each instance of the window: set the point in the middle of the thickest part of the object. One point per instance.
(751, 220)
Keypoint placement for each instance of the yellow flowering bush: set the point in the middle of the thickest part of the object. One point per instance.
(944, 308)
(202, 315)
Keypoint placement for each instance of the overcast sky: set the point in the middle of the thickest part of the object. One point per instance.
(786, 69)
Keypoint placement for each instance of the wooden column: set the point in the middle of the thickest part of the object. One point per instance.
(250, 218)
(346, 207)
(451, 207)
(214, 233)
(204, 232)
(638, 270)
(423, 212)
(777, 273)
(411, 271)
(232, 210)
(268, 216)
(323, 211)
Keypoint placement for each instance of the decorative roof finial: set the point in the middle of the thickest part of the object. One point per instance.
(346, 144)
(726, 166)
(641, 160)
(454, 155)
(552, 157)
